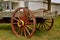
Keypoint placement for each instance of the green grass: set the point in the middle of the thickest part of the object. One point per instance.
(54, 34)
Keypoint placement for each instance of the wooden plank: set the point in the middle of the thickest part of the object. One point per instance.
(49, 4)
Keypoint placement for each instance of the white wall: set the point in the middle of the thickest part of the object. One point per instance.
(33, 5)
(54, 7)
(58, 8)
(37, 5)
(21, 3)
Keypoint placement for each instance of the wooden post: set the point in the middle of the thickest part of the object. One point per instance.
(49, 4)
(26, 4)
(10, 6)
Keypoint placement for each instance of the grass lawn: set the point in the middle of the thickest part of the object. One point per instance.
(54, 34)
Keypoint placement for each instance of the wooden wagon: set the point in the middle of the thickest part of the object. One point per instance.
(24, 21)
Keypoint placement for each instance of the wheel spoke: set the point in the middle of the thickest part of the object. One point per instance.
(25, 12)
(39, 25)
(27, 30)
(29, 27)
(15, 19)
(15, 27)
(29, 23)
(21, 31)
(48, 21)
(24, 32)
(14, 23)
(26, 19)
(42, 26)
(46, 24)
(21, 18)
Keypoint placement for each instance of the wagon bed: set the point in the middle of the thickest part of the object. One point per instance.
(43, 13)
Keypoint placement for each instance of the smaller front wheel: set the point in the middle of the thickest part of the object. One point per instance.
(45, 24)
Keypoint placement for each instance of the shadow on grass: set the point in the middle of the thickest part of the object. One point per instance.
(7, 26)
(40, 33)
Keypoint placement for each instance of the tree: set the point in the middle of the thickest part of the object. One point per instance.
(1, 8)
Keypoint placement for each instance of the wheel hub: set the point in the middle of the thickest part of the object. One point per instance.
(20, 23)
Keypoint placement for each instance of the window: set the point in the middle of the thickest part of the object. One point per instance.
(14, 5)
(6, 5)
(9, 6)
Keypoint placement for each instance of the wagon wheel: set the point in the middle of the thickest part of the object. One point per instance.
(45, 24)
(23, 22)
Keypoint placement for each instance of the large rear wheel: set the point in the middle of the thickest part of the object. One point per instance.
(23, 22)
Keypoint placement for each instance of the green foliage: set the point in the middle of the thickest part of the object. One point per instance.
(1, 8)
(1, 1)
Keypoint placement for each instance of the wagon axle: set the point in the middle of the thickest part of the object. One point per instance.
(20, 23)
(40, 20)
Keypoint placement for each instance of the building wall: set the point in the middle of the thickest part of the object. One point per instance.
(33, 5)
(38, 5)
(8, 13)
(58, 8)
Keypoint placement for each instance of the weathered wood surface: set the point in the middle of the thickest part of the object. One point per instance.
(38, 13)
(45, 14)
(5, 14)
